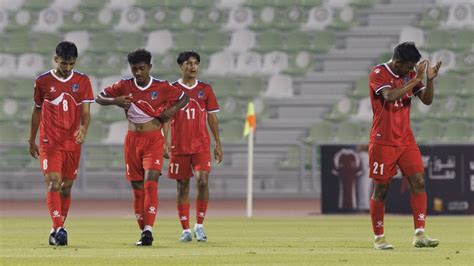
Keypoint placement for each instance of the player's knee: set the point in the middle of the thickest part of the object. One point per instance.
(53, 185)
(418, 183)
(202, 183)
(380, 192)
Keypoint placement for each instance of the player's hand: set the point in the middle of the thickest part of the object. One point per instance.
(123, 101)
(432, 72)
(33, 150)
(218, 154)
(166, 115)
(166, 154)
(421, 69)
(80, 135)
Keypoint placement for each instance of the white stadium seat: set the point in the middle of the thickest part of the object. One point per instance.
(49, 20)
(221, 63)
(7, 65)
(318, 18)
(364, 110)
(411, 34)
(29, 65)
(447, 57)
(131, 20)
(80, 38)
(275, 62)
(11, 5)
(279, 86)
(248, 64)
(239, 18)
(159, 41)
(120, 4)
(3, 19)
(229, 3)
(461, 15)
(242, 41)
(65, 5)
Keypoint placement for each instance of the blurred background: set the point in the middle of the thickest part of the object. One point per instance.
(304, 63)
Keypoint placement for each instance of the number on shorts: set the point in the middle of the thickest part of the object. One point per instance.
(128, 169)
(190, 113)
(65, 106)
(175, 167)
(378, 168)
(45, 164)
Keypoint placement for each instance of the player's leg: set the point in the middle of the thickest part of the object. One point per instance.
(179, 168)
(202, 167)
(412, 167)
(138, 201)
(69, 174)
(381, 168)
(66, 187)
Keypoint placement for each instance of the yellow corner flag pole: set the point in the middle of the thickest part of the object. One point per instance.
(249, 130)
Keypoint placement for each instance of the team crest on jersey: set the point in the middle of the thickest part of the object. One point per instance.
(75, 87)
(154, 95)
(201, 94)
(406, 79)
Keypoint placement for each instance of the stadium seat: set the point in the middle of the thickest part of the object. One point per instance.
(265, 17)
(411, 34)
(119, 4)
(322, 41)
(345, 18)
(65, 5)
(158, 18)
(249, 88)
(3, 19)
(460, 15)
(221, 63)
(348, 132)
(297, 41)
(289, 18)
(202, 4)
(103, 41)
(248, 64)
(14, 158)
(437, 40)
(18, 42)
(9, 134)
(29, 65)
(224, 87)
(427, 131)
(11, 5)
(447, 84)
(117, 130)
(342, 110)
(232, 132)
(319, 18)
(80, 38)
(146, 4)
(213, 41)
(105, 19)
(456, 131)
(8, 109)
(91, 4)
(309, 3)
(463, 40)
(131, 20)
(432, 17)
(185, 41)
(5, 85)
(45, 43)
(447, 108)
(420, 111)
(49, 20)
(447, 57)
(321, 132)
(229, 4)
(242, 41)
(159, 41)
(274, 63)
(183, 20)
(361, 89)
(24, 88)
(211, 19)
(239, 18)
(268, 41)
(22, 20)
(279, 86)
(37, 4)
(364, 111)
(299, 63)
(96, 132)
(464, 63)
(7, 65)
(128, 41)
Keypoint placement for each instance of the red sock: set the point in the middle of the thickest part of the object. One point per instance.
(151, 202)
(65, 204)
(418, 208)
(138, 204)
(183, 215)
(53, 200)
(201, 207)
(377, 211)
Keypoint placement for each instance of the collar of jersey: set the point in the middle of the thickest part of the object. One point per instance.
(143, 88)
(389, 70)
(180, 81)
(60, 79)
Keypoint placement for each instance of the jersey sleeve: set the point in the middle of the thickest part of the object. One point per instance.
(88, 95)
(378, 80)
(38, 97)
(117, 89)
(211, 102)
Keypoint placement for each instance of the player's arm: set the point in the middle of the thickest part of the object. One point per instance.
(114, 95)
(167, 114)
(166, 129)
(426, 96)
(35, 122)
(85, 120)
(214, 126)
(392, 95)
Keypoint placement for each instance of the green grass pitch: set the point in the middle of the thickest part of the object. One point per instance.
(316, 240)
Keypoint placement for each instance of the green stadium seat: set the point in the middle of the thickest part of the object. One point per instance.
(37, 5)
(264, 18)
(447, 108)
(348, 132)
(289, 18)
(363, 3)
(211, 19)
(91, 4)
(111, 114)
(146, 4)
(322, 41)
(232, 131)
(96, 132)
(78, 20)
(432, 17)
(292, 160)
(361, 89)
(213, 41)
(158, 18)
(249, 88)
(24, 89)
(467, 89)
(468, 110)
(299, 63)
(464, 63)
(18, 42)
(185, 41)
(202, 4)
(344, 19)
(45, 43)
(268, 41)
(258, 4)
(297, 41)
(309, 3)
(128, 41)
(463, 40)
(174, 4)
(447, 84)
(5, 88)
(428, 131)
(14, 158)
(438, 39)
(342, 110)
(21, 21)
(456, 131)
(103, 41)
(9, 133)
(420, 111)
(184, 19)
(321, 132)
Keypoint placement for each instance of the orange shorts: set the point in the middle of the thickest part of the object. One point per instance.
(384, 159)
(182, 166)
(66, 163)
(143, 151)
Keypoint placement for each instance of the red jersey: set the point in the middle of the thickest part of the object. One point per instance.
(147, 102)
(61, 101)
(391, 121)
(189, 133)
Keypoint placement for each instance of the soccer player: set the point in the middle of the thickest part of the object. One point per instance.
(148, 102)
(62, 97)
(392, 86)
(189, 149)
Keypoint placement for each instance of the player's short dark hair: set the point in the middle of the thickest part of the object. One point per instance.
(139, 56)
(184, 56)
(406, 52)
(66, 50)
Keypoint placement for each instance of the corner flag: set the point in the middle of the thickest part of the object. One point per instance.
(251, 121)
